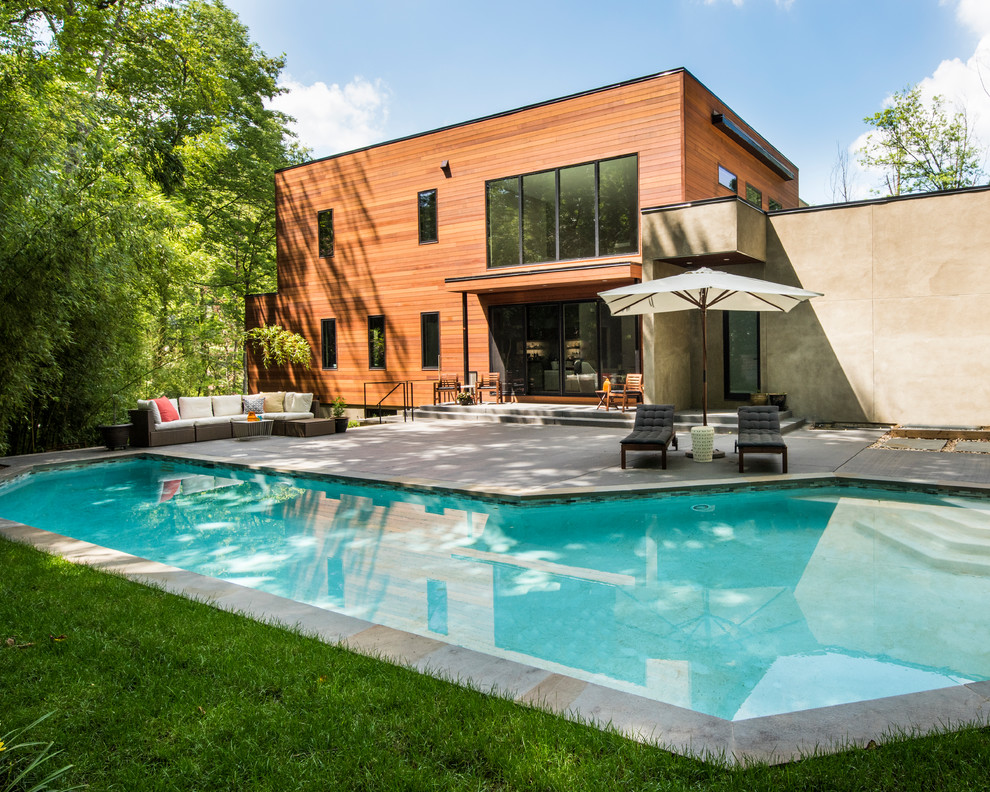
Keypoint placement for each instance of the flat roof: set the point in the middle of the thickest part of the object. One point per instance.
(524, 108)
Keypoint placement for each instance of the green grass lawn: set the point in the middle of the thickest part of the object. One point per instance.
(151, 691)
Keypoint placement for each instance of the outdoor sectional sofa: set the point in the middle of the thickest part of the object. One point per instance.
(209, 417)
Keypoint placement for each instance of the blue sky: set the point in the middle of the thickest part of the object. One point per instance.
(803, 72)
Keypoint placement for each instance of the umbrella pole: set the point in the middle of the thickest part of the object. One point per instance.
(704, 366)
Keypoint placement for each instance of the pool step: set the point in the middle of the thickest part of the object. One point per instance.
(951, 538)
(723, 421)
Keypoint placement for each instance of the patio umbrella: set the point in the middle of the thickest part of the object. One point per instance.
(703, 289)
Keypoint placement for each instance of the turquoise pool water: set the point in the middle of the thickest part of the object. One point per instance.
(735, 604)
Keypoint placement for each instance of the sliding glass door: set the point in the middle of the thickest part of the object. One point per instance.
(561, 349)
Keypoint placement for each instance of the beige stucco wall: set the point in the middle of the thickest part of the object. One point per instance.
(705, 229)
(902, 333)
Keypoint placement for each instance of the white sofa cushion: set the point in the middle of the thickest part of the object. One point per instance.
(213, 419)
(288, 416)
(298, 402)
(227, 405)
(182, 422)
(195, 407)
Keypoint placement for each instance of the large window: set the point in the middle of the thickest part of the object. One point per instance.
(324, 230)
(427, 216)
(328, 342)
(580, 211)
(429, 331)
(376, 342)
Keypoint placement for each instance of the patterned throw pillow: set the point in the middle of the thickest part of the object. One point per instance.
(255, 404)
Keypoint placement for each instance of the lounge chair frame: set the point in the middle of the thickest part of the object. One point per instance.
(759, 433)
(653, 430)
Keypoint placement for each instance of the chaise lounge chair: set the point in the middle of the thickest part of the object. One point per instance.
(759, 433)
(652, 431)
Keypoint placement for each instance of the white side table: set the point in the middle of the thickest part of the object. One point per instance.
(702, 443)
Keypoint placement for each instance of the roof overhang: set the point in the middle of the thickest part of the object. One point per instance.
(600, 275)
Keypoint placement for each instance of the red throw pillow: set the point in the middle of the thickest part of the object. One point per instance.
(166, 410)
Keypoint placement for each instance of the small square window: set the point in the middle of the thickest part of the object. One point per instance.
(324, 228)
(774, 205)
(728, 179)
(427, 216)
(754, 196)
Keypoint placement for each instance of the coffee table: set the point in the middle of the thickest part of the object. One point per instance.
(309, 427)
(244, 429)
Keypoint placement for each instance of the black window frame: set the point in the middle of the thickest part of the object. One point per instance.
(426, 240)
(758, 203)
(733, 180)
(324, 235)
(728, 394)
(371, 343)
(422, 341)
(521, 259)
(331, 323)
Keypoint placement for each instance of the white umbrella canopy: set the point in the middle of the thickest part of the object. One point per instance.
(704, 288)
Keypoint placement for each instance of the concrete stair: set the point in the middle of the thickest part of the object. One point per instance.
(723, 421)
(951, 538)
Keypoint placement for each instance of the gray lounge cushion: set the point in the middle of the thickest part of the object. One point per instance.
(759, 426)
(654, 425)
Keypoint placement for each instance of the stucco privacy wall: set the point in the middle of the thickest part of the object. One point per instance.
(903, 331)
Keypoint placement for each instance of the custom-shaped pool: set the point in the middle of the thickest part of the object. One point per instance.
(736, 604)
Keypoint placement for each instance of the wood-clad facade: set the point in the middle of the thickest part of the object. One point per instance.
(660, 128)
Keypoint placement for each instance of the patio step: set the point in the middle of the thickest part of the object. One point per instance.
(723, 421)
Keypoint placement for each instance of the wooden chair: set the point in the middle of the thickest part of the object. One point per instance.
(446, 388)
(759, 433)
(492, 383)
(631, 392)
(653, 431)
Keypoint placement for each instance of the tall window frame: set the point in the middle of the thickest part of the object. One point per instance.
(426, 203)
(526, 219)
(328, 343)
(742, 353)
(429, 340)
(376, 343)
(324, 233)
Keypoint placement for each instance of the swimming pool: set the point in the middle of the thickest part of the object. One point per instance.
(733, 604)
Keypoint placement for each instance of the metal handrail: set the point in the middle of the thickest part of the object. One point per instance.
(407, 402)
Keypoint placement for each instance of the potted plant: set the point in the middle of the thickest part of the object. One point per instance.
(114, 435)
(464, 398)
(337, 408)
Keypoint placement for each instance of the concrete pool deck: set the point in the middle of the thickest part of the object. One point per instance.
(526, 460)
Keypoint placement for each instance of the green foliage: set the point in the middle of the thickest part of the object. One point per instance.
(24, 766)
(918, 147)
(338, 406)
(280, 347)
(136, 207)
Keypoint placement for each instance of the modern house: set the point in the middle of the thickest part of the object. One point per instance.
(483, 247)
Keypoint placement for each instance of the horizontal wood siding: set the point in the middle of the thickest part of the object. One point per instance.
(707, 147)
(378, 266)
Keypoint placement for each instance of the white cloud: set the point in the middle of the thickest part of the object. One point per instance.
(331, 118)
(964, 84)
